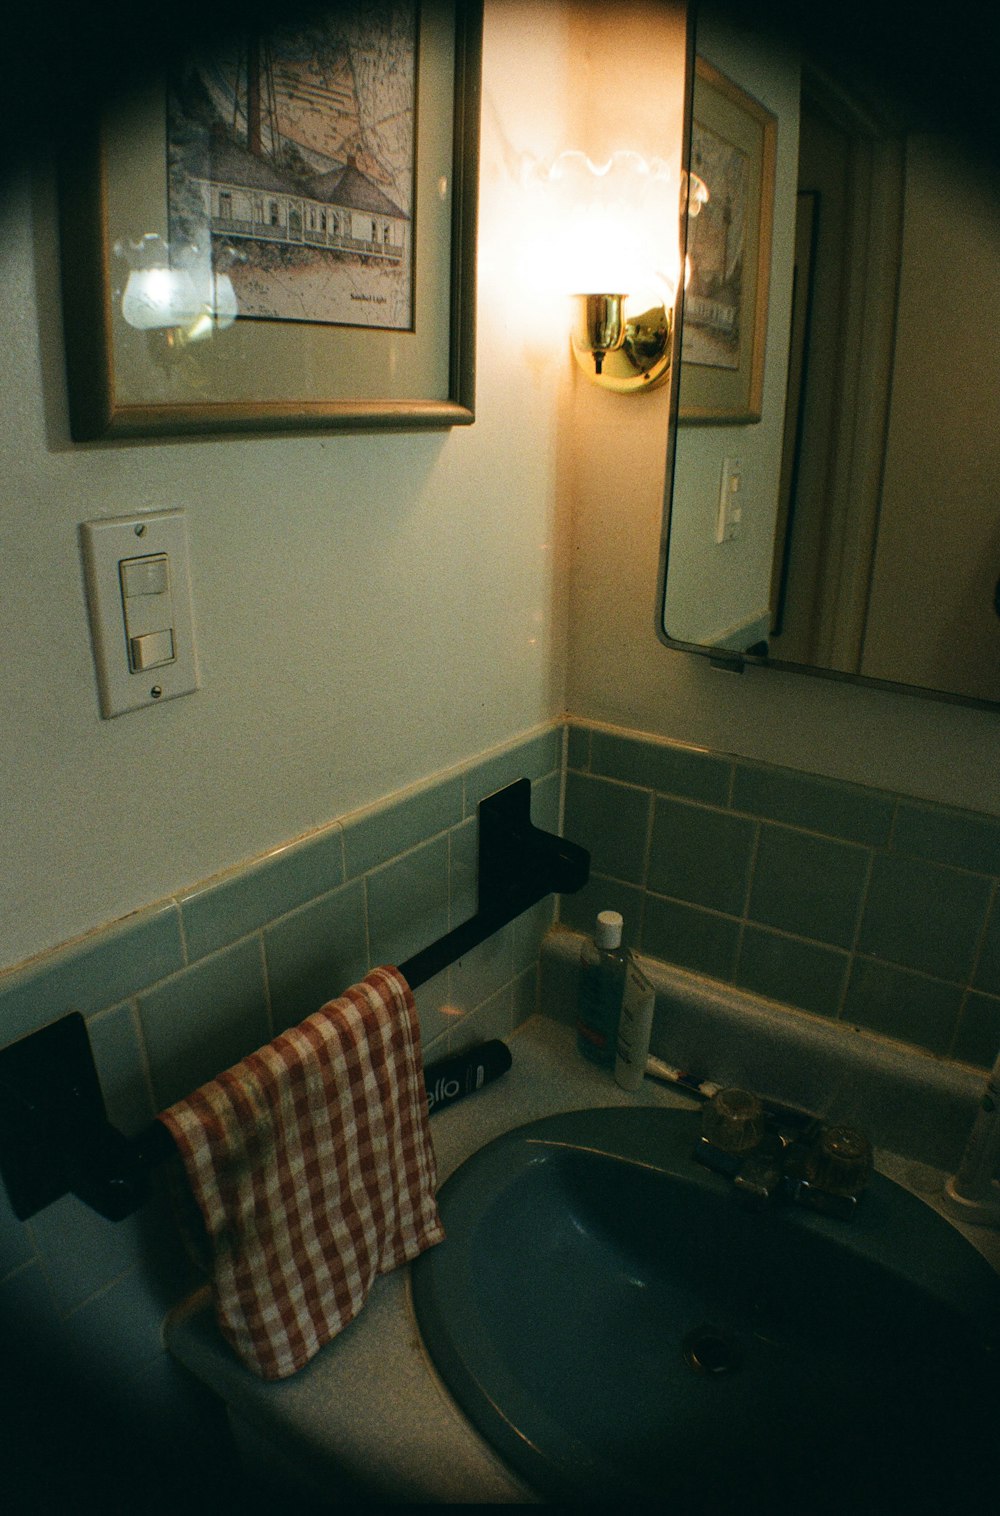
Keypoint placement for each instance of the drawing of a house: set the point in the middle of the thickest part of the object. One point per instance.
(279, 151)
(342, 211)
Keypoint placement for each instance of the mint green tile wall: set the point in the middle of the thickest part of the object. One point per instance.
(175, 993)
(844, 901)
(840, 900)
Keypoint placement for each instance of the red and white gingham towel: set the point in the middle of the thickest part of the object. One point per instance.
(312, 1164)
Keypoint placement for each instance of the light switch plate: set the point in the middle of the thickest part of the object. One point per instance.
(105, 545)
(729, 516)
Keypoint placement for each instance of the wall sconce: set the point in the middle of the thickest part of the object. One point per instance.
(638, 346)
(179, 294)
(613, 227)
(607, 237)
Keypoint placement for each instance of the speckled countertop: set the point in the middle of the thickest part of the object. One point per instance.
(369, 1413)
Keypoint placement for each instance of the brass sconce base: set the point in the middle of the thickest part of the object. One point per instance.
(618, 351)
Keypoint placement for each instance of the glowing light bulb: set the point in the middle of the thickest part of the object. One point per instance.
(159, 297)
(608, 226)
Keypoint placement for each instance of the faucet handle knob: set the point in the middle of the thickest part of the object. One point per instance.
(841, 1161)
(733, 1121)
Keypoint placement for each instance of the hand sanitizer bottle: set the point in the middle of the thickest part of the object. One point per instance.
(602, 979)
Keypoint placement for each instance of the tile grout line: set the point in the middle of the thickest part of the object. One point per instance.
(992, 904)
(366, 914)
(752, 862)
(853, 951)
(744, 915)
(647, 860)
(266, 980)
(145, 1062)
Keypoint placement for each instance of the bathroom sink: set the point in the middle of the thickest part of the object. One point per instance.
(616, 1324)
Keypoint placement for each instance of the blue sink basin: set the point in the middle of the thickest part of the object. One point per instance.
(617, 1325)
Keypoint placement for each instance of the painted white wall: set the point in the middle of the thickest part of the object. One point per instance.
(369, 609)
(616, 445)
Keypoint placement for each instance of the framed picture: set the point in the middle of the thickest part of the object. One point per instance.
(281, 234)
(724, 328)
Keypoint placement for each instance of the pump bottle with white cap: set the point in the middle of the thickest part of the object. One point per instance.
(602, 979)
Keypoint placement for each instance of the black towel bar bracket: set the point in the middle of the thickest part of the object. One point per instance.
(518, 866)
(55, 1137)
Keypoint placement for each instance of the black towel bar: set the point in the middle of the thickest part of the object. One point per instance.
(55, 1138)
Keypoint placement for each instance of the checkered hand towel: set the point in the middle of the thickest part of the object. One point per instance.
(312, 1165)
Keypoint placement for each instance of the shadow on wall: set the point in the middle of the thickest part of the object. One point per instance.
(62, 60)
(938, 72)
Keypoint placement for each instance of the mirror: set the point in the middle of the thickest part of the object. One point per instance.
(835, 500)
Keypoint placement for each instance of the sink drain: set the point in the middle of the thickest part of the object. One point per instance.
(710, 1350)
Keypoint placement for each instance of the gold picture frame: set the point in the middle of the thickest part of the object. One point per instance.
(725, 303)
(277, 375)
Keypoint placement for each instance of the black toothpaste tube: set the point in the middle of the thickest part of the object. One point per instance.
(451, 1079)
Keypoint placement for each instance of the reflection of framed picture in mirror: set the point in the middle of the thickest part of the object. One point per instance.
(280, 233)
(723, 337)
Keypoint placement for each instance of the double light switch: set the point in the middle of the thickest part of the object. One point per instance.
(729, 517)
(139, 594)
(149, 611)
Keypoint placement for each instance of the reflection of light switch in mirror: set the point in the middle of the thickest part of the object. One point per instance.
(139, 594)
(730, 513)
